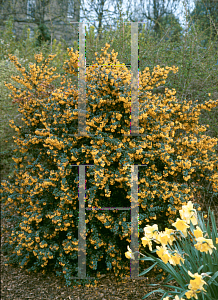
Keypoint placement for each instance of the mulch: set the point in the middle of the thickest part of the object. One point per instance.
(17, 284)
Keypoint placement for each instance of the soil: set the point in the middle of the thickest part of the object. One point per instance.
(17, 284)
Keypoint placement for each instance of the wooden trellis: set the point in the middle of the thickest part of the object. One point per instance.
(134, 264)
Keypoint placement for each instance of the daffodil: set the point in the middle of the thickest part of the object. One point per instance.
(163, 238)
(190, 294)
(146, 241)
(151, 231)
(181, 225)
(170, 232)
(176, 258)
(188, 213)
(177, 298)
(197, 283)
(163, 253)
(194, 288)
(204, 245)
(129, 254)
(198, 232)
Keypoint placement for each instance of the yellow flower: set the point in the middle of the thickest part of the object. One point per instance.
(146, 241)
(198, 232)
(204, 245)
(163, 238)
(197, 283)
(191, 294)
(163, 253)
(151, 231)
(188, 213)
(177, 298)
(216, 240)
(175, 259)
(129, 254)
(181, 225)
(170, 232)
(193, 219)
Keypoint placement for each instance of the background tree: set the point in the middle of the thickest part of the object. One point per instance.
(96, 11)
(44, 34)
(155, 11)
(170, 25)
(205, 15)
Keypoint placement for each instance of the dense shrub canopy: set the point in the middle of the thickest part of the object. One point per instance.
(42, 199)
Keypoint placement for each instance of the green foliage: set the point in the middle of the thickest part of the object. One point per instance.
(8, 111)
(8, 39)
(170, 28)
(25, 50)
(206, 17)
(44, 35)
(42, 197)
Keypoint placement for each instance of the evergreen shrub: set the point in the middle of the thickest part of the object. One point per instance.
(41, 200)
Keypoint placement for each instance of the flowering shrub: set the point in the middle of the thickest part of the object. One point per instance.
(201, 255)
(42, 198)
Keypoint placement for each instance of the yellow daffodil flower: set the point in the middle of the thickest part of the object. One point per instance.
(188, 213)
(198, 232)
(176, 298)
(129, 254)
(197, 283)
(176, 258)
(163, 238)
(191, 294)
(181, 225)
(163, 253)
(171, 237)
(151, 231)
(146, 241)
(204, 245)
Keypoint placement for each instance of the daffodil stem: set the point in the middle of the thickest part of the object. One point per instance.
(139, 253)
